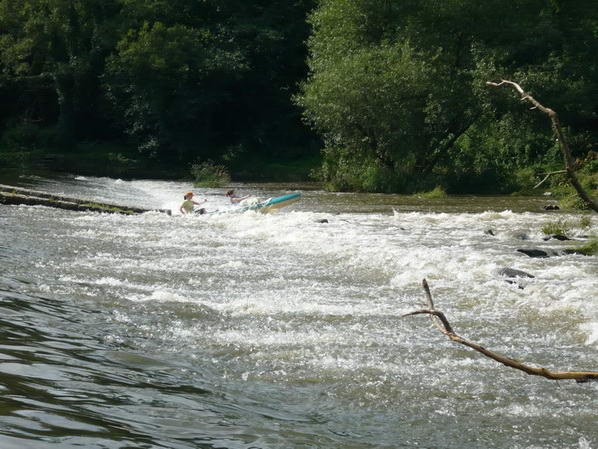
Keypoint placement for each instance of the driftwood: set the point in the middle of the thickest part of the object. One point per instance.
(445, 327)
(563, 145)
(18, 195)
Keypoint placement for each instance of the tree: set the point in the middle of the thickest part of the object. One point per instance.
(60, 44)
(167, 81)
(183, 79)
(570, 168)
(224, 76)
(396, 88)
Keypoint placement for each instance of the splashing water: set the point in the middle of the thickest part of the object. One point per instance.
(284, 330)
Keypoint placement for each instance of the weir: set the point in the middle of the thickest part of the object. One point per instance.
(19, 195)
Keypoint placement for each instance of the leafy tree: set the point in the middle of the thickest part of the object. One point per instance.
(225, 79)
(58, 45)
(167, 82)
(397, 88)
(270, 35)
(186, 79)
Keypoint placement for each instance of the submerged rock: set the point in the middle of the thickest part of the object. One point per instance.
(517, 274)
(521, 236)
(519, 286)
(533, 252)
(513, 273)
(539, 253)
(323, 220)
(556, 237)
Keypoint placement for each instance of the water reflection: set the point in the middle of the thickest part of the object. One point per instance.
(62, 386)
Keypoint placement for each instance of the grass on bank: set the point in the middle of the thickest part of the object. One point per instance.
(254, 167)
(211, 174)
(437, 193)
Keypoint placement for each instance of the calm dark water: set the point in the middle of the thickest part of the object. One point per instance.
(279, 331)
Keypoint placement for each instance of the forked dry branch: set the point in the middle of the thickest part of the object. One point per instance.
(563, 145)
(445, 327)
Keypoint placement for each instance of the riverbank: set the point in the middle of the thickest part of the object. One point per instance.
(118, 161)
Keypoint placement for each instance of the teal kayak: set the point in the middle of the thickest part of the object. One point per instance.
(273, 204)
(266, 206)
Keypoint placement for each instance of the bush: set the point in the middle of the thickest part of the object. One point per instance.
(353, 171)
(14, 159)
(437, 193)
(209, 174)
(588, 178)
(26, 136)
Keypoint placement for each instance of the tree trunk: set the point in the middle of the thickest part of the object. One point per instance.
(17, 196)
(64, 85)
(563, 145)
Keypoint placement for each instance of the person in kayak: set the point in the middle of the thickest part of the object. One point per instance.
(234, 198)
(189, 204)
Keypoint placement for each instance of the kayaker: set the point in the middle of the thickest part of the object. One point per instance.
(234, 198)
(189, 204)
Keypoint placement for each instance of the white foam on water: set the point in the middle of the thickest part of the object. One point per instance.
(327, 297)
(584, 443)
(160, 296)
(591, 329)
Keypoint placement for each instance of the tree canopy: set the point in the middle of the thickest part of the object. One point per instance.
(180, 80)
(393, 90)
(397, 89)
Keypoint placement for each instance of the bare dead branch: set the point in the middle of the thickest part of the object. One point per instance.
(563, 145)
(548, 175)
(446, 329)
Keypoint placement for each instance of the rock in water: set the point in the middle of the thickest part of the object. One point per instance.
(513, 273)
(533, 252)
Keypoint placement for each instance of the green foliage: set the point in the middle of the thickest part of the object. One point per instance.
(159, 75)
(255, 167)
(14, 159)
(560, 227)
(26, 136)
(22, 144)
(590, 249)
(568, 198)
(401, 86)
(437, 193)
(342, 170)
(394, 89)
(563, 226)
(56, 48)
(179, 79)
(209, 174)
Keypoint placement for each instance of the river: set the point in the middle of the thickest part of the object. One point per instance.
(284, 330)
